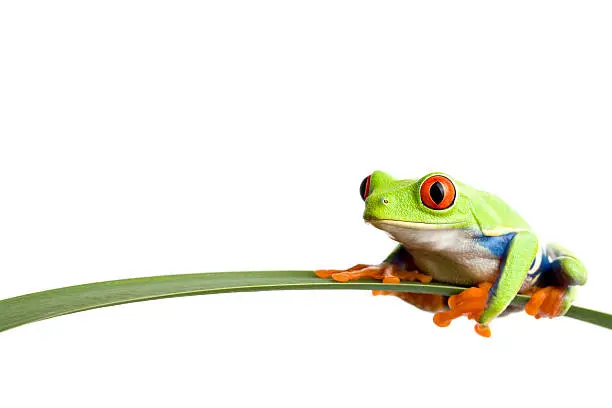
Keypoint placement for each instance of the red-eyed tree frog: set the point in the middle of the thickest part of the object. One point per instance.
(452, 233)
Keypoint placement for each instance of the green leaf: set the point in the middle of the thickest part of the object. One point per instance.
(33, 307)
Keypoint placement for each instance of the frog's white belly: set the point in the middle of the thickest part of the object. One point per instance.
(449, 255)
(457, 268)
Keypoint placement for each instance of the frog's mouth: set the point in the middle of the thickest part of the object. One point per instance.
(387, 225)
(419, 234)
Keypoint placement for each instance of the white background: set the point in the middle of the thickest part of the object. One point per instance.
(159, 137)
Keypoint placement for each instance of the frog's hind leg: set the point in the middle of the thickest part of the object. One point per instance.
(424, 301)
(556, 289)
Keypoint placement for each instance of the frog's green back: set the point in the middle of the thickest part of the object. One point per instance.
(493, 215)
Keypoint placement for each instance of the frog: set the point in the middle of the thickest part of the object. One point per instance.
(449, 232)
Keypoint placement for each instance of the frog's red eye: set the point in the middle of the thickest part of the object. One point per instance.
(438, 192)
(364, 189)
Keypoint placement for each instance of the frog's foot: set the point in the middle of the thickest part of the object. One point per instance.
(471, 303)
(424, 301)
(388, 273)
(546, 302)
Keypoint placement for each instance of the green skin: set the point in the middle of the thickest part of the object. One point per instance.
(448, 244)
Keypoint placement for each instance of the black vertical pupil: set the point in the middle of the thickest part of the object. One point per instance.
(436, 191)
(362, 188)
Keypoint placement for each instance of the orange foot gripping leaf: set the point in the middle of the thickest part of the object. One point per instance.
(471, 302)
(546, 302)
(388, 273)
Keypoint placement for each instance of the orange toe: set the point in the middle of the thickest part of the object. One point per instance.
(412, 276)
(324, 273)
(546, 302)
(341, 277)
(483, 330)
(471, 303)
(552, 304)
(385, 293)
(353, 271)
(533, 305)
(444, 319)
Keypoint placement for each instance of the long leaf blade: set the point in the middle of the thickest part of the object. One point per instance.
(38, 306)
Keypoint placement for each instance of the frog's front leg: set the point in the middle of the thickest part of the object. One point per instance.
(396, 267)
(558, 284)
(392, 270)
(487, 301)
(386, 272)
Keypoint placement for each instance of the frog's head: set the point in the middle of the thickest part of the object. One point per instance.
(434, 201)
